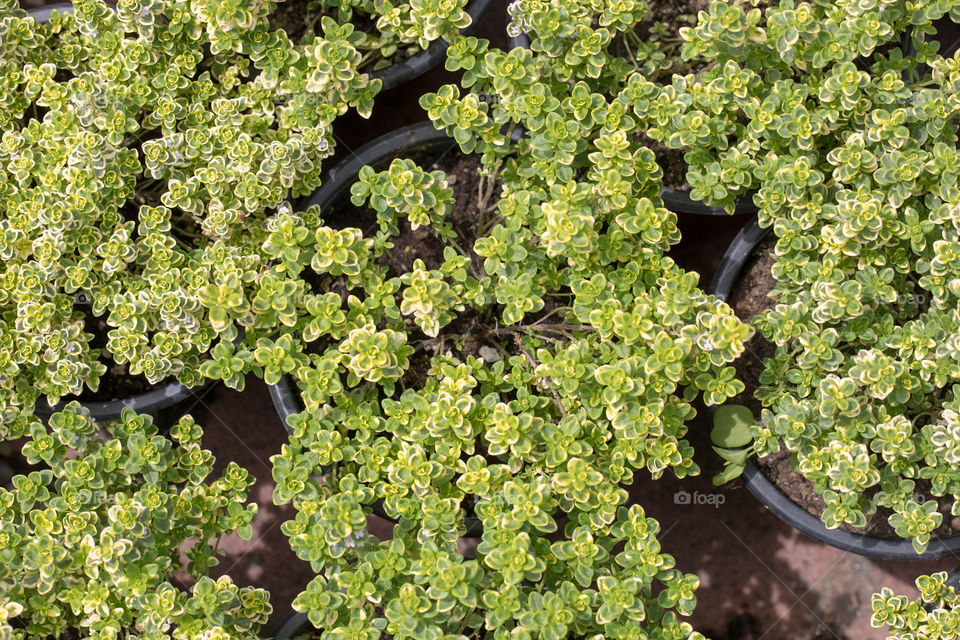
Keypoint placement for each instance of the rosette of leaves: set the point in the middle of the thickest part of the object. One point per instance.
(90, 541)
(384, 32)
(141, 150)
(935, 615)
(853, 156)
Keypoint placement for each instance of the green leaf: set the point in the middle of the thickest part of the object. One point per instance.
(728, 474)
(733, 456)
(731, 426)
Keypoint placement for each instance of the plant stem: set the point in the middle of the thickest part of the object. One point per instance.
(556, 327)
(543, 384)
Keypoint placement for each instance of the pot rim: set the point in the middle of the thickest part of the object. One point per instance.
(161, 397)
(420, 63)
(679, 201)
(292, 625)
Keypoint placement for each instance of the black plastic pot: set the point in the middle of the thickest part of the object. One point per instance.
(522, 41)
(292, 625)
(420, 137)
(164, 396)
(680, 202)
(418, 64)
(783, 507)
(953, 578)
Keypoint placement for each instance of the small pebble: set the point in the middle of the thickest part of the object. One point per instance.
(489, 354)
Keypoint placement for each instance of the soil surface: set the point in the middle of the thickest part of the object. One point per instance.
(116, 383)
(671, 162)
(663, 23)
(295, 17)
(472, 332)
(749, 297)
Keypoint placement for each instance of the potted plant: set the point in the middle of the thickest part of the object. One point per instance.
(854, 174)
(932, 616)
(486, 340)
(136, 174)
(744, 280)
(640, 40)
(91, 541)
(398, 41)
(583, 586)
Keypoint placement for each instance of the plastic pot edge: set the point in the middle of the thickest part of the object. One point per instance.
(162, 397)
(679, 201)
(768, 494)
(521, 41)
(422, 62)
(292, 625)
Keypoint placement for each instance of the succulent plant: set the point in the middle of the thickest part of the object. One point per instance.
(141, 151)
(91, 540)
(852, 155)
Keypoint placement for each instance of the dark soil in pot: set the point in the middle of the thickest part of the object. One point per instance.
(671, 162)
(301, 18)
(12, 462)
(468, 333)
(117, 383)
(661, 25)
(750, 296)
(472, 332)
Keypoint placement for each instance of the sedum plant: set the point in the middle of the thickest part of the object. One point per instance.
(141, 150)
(852, 153)
(640, 34)
(932, 616)
(388, 32)
(595, 346)
(91, 540)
